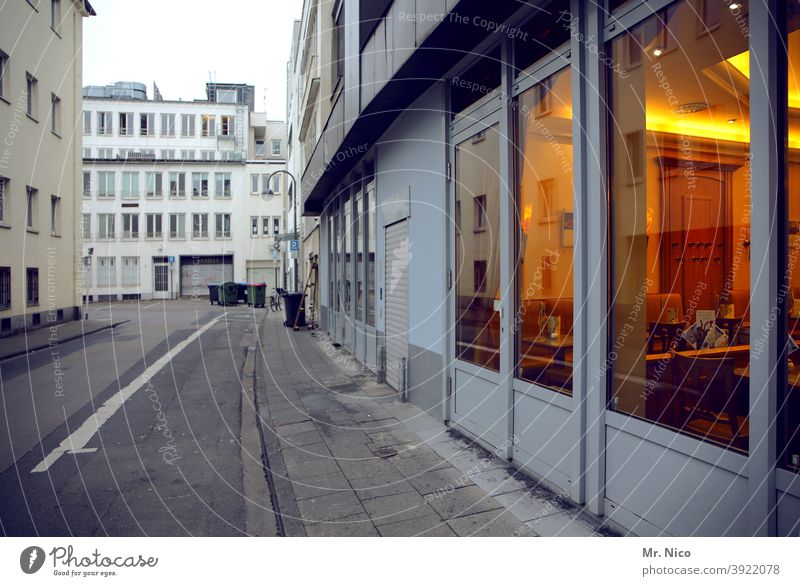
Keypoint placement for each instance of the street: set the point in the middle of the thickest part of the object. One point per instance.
(134, 430)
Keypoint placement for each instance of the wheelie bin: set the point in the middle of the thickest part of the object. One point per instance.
(256, 294)
(291, 301)
(229, 293)
(242, 292)
(213, 293)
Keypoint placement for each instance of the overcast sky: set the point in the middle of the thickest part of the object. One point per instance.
(182, 44)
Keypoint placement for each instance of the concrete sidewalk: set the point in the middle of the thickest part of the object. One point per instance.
(47, 336)
(348, 459)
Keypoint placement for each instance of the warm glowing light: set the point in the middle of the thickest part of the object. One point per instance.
(732, 121)
(734, 6)
(741, 63)
(526, 217)
(658, 52)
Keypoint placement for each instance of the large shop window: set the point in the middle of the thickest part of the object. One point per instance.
(478, 249)
(347, 235)
(789, 401)
(544, 319)
(370, 227)
(680, 198)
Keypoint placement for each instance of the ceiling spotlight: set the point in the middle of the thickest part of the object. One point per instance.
(734, 6)
(731, 120)
(658, 52)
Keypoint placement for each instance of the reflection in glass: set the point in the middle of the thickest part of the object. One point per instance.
(359, 268)
(544, 320)
(478, 249)
(347, 243)
(789, 399)
(370, 227)
(680, 217)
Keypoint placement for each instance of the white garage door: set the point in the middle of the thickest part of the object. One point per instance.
(396, 284)
(198, 272)
(262, 272)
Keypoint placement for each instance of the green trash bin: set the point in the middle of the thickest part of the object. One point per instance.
(229, 293)
(256, 294)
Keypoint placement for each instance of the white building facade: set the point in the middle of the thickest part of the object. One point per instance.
(40, 85)
(170, 194)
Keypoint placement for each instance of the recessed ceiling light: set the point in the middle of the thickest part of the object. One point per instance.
(731, 120)
(658, 52)
(734, 6)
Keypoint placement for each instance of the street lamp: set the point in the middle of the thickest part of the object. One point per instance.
(294, 209)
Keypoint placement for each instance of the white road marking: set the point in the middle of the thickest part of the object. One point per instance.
(153, 305)
(78, 439)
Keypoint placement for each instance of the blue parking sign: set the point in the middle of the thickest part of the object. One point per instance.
(295, 245)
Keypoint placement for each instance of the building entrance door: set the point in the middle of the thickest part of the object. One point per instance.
(160, 280)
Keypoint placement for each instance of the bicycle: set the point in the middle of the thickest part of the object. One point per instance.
(275, 301)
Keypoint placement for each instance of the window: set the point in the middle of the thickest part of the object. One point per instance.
(187, 125)
(5, 288)
(55, 15)
(276, 226)
(276, 184)
(55, 215)
(130, 271)
(254, 183)
(199, 225)
(154, 228)
(207, 155)
(223, 184)
(104, 125)
(3, 209)
(371, 248)
(130, 184)
(87, 184)
(187, 155)
(106, 184)
(105, 153)
(86, 274)
(32, 287)
(261, 148)
(55, 114)
(31, 95)
(106, 271)
(87, 123)
(177, 226)
(222, 225)
(544, 197)
(154, 186)
(265, 184)
(177, 184)
(147, 154)
(479, 203)
(105, 227)
(228, 155)
(337, 44)
(358, 237)
(788, 439)
(168, 125)
(477, 321)
(227, 125)
(125, 124)
(208, 125)
(3, 70)
(31, 208)
(266, 229)
(680, 279)
(276, 148)
(147, 124)
(86, 226)
(253, 226)
(87, 153)
(199, 184)
(130, 226)
(168, 154)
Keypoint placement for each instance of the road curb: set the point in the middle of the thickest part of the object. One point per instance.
(70, 338)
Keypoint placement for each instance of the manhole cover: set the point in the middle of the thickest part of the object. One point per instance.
(385, 452)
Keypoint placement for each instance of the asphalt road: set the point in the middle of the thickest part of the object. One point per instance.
(135, 430)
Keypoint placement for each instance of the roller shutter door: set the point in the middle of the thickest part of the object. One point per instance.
(396, 286)
(197, 273)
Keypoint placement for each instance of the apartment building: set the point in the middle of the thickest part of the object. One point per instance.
(40, 81)
(177, 194)
(569, 229)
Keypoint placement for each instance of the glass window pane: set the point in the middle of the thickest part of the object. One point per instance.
(478, 249)
(347, 235)
(680, 219)
(359, 266)
(789, 401)
(544, 320)
(370, 227)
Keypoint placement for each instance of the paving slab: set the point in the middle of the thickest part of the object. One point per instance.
(418, 527)
(497, 523)
(320, 485)
(354, 526)
(329, 507)
(460, 502)
(397, 507)
(560, 525)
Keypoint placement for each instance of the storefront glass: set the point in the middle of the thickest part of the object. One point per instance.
(789, 398)
(370, 227)
(545, 239)
(680, 203)
(477, 247)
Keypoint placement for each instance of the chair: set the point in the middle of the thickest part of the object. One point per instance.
(660, 331)
(707, 400)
